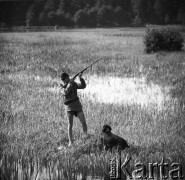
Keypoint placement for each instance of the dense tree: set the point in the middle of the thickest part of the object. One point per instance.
(181, 15)
(140, 11)
(30, 16)
(75, 6)
(51, 5)
(14, 13)
(105, 16)
(92, 17)
(121, 17)
(171, 9)
(64, 6)
(99, 3)
(158, 7)
(61, 18)
(91, 3)
(92, 12)
(150, 12)
(52, 18)
(80, 18)
(42, 18)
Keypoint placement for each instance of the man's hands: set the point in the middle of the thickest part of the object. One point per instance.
(80, 75)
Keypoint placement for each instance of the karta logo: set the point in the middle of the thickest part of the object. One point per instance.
(143, 171)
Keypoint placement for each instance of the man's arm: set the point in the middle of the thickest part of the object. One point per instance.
(82, 83)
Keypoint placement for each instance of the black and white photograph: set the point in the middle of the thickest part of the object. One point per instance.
(92, 89)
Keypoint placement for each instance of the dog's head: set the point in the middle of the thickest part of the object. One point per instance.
(106, 129)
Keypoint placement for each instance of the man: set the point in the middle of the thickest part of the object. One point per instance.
(72, 102)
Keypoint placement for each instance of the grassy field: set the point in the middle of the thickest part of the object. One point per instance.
(33, 120)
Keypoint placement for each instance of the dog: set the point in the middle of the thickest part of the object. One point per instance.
(112, 141)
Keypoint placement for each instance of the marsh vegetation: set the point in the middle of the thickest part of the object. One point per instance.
(141, 96)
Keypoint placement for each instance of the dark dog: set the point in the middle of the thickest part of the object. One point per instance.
(112, 141)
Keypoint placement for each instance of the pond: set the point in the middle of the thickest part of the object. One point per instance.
(114, 90)
(118, 90)
(128, 90)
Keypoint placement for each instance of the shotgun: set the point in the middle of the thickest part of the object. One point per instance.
(82, 71)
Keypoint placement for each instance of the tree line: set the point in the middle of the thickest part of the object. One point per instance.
(91, 13)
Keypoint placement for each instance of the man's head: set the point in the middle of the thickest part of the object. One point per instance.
(65, 77)
(106, 129)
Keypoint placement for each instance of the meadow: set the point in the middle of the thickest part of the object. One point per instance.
(140, 95)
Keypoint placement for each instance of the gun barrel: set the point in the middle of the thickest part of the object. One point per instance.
(83, 70)
(91, 64)
(86, 68)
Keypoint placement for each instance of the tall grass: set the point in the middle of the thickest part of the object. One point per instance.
(33, 120)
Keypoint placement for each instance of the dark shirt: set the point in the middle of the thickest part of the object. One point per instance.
(71, 99)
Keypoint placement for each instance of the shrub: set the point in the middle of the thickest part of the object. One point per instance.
(156, 39)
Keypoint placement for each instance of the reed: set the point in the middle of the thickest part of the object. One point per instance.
(33, 120)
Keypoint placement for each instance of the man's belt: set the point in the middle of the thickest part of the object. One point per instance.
(71, 100)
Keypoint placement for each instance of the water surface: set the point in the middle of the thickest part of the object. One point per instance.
(117, 90)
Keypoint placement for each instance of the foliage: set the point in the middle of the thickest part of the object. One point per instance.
(137, 21)
(30, 17)
(92, 17)
(103, 13)
(43, 19)
(2, 25)
(80, 17)
(104, 16)
(121, 17)
(52, 18)
(157, 39)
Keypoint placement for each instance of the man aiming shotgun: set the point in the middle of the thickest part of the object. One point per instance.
(71, 100)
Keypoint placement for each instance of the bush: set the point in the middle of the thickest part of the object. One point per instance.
(156, 39)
